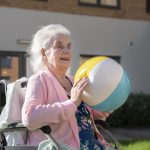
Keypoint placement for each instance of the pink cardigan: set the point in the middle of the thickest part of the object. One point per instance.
(46, 103)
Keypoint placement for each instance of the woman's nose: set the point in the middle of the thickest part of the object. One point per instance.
(66, 50)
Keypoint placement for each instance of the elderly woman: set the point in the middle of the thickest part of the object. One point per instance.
(53, 99)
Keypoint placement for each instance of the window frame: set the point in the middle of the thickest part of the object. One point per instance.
(98, 4)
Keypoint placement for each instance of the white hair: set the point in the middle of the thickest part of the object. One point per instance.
(43, 39)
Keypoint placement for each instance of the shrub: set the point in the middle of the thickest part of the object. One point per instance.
(134, 113)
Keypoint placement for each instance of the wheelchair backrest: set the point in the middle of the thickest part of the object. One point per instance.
(13, 95)
(3, 88)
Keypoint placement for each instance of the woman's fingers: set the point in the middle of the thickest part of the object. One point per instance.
(76, 92)
(75, 84)
(79, 87)
(81, 83)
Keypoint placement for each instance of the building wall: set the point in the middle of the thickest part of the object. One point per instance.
(91, 35)
(129, 9)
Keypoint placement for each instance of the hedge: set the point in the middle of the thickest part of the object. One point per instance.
(135, 112)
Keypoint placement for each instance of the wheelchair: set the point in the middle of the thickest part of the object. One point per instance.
(12, 131)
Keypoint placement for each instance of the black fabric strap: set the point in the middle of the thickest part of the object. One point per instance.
(3, 141)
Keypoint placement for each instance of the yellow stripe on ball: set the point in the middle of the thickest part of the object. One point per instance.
(85, 68)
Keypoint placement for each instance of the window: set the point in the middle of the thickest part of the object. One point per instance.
(101, 3)
(12, 65)
(148, 6)
(6, 62)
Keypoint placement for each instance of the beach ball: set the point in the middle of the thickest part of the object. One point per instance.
(109, 85)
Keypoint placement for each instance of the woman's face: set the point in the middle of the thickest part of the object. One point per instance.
(59, 55)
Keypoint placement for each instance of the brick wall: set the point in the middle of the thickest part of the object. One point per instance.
(130, 9)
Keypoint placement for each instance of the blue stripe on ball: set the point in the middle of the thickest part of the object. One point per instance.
(117, 98)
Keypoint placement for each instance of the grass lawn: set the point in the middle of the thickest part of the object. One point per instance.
(135, 145)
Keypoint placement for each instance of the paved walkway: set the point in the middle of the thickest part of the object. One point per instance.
(126, 134)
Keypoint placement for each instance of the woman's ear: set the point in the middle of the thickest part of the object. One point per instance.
(44, 57)
(43, 52)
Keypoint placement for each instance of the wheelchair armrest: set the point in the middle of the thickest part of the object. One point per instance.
(14, 127)
(20, 127)
(14, 132)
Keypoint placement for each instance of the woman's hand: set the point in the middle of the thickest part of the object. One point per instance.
(77, 90)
